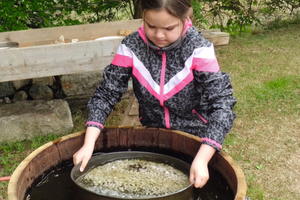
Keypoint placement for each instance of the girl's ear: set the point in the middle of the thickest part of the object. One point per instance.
(190, 13)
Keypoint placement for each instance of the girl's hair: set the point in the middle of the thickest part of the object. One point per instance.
(177, 8)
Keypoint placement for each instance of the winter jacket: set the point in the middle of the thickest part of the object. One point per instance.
(178, 87)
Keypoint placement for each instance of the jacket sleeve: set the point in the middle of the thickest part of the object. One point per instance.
(217, 99)
(108, 93)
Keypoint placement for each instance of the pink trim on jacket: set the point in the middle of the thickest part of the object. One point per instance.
(94, 123)
(204, 59)
(195, 112)
(206, 65)
(212, 142)
(162, 90)
(162, 78)
(124, 61)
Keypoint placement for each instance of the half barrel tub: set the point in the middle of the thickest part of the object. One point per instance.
(112, 139)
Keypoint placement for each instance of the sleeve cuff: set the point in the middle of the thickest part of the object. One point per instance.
(212, 143)
(94, 124)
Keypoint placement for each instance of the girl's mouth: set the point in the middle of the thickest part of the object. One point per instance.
(159, 41)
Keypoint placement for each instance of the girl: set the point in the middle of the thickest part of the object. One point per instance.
(176, 79)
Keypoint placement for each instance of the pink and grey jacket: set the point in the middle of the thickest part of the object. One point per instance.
(178, 87)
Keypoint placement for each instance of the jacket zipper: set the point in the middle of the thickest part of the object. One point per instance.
(162, 84)
(195, 112)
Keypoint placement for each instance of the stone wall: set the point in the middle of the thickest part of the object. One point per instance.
(76, 89)
(42, 106)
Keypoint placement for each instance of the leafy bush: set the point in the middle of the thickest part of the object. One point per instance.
(232, 16)
(24, 14)
(236, 16)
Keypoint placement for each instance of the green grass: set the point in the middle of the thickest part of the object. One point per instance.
(279, 95)
(13, 152)
(265, 73)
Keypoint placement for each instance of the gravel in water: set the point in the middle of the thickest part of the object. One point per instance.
(134, 178)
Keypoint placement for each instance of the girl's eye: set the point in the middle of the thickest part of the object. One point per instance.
(151, 26)
(169, 29)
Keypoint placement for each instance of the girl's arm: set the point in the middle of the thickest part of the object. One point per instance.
(199, 167)
(84, 154)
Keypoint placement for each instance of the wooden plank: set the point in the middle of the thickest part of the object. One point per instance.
(217, 38)
(134, 110)
(59, 59)
(45, 36)
(130, 119)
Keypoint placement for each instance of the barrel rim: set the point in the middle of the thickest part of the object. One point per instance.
(13, 183)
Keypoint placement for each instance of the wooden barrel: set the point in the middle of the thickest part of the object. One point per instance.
(53, 153)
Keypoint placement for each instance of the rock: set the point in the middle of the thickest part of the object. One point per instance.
(7, 100)
(78, 88)
(6, 89)
(40, 92)
(20, 84)
(81, 84)
(43, 81)
(20, 96)
(27, 119)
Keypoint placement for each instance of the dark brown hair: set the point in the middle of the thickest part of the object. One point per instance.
(177, 8)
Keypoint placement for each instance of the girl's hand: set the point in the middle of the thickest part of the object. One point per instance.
(199, 168)
(84, 154)
(199, 173)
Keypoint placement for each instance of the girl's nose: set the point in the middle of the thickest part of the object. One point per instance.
(159, 34)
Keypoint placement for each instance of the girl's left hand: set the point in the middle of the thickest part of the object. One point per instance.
(199, 173)
(199, 168)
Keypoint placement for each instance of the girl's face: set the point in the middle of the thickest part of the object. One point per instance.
(162, 28)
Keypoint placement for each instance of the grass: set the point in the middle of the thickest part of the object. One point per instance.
(264, 141)
(264, 69)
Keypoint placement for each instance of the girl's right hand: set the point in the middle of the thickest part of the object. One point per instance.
(83, 155)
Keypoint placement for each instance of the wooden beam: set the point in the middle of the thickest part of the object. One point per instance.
(217, 38)
(46, 36)
(59, 59)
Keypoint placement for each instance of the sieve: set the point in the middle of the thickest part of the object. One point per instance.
(82, 193)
